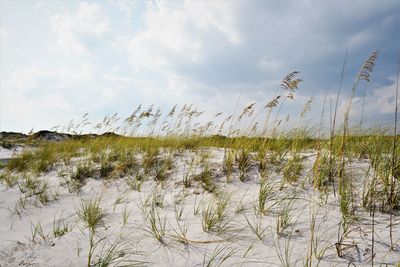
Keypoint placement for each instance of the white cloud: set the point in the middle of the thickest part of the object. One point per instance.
(218, 14)
(228, 42)
(359, 39)
(80, 31)
(26, 80)
(125, 6)
(380, 101)
(44, 95)
(118, 79)
(379, 104)
(23, 113)
(3, 34)
(181, 33)
(272, 65)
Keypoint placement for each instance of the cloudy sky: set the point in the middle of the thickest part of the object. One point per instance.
(61, 59)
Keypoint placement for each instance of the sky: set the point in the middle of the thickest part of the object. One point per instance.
(62, 59)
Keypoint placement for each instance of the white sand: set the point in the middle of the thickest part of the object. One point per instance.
(18, 249)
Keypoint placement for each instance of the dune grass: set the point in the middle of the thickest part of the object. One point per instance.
(149, 148)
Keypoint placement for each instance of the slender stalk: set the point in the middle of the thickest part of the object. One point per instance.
(321, 124)
(232, 120)
(91, 247)
(269, 114)
(331, 178)
(266, 122)
(338, 94)
(394, 159)
(330, 114)
(277, 115)
(234, 113)
(362, 108)
(373, 222)
(312, 231)
(363, 74)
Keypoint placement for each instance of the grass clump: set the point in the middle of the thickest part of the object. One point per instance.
(264, 193)
(135, 182)
(91, 213)
(150, 158)
(213, 215)
(106, 168)
(21, 162)
(206, 180)
(243, 160)
(82, 172)
(162, 169)
(285, 216)
(37, 231)
(157, 225)
(39, 160)
(115, 254)
(380, 192)
(292, 170)
(218, 256)
(9, 179)
(60, 227)
(31, 185)
(324, 170)
(45, 157)
(228, 163)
